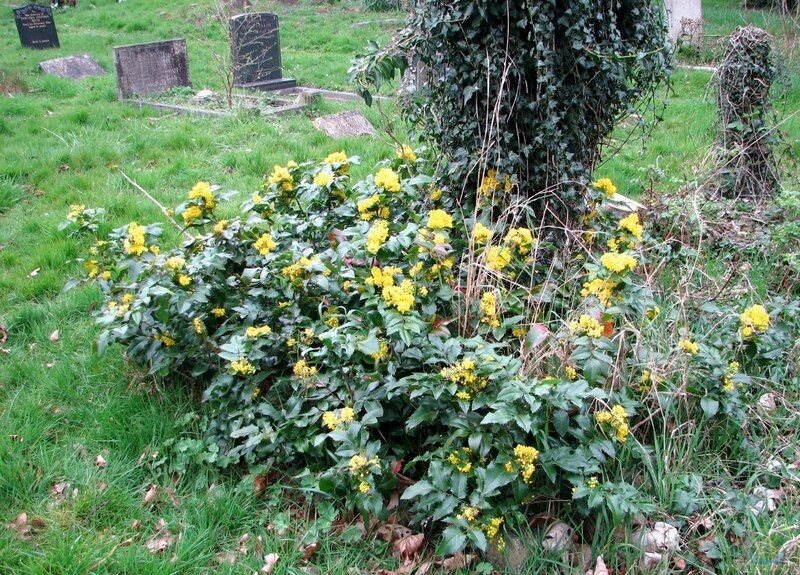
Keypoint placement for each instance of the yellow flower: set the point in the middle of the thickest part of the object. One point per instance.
(498, 258)
(521, 239)
(407, 153)
(632, 225)
(387, 179)
(323, 179)
(493, 528)
(468, 513)
(303, 370)
(489, 310)
(134, 244)
(256, 199)
(605, 185)
(593, 483)
(361, 466)
(602, 289)
(282, 178)
(653, 312)
(364, 487)
(619, 263)
(377, 235)
(106, 275)
(92, 268)
(401, 297)
(439, 220)
(617, 418)
(754, 319)
(436, 194)
(202, 191)
(165, 339)
(330, 420)
(265, 244)
(75, 210)
(220, 226)
(481, 235)
(184, 280)
(175, 263)
(198, 325)
(689, 346)
(256, 332)
(489, 183)
(526, 457)
(336, 158)
(463, 395)
(191, 213)
(366, 206)
(587, 325)
(571, 372)
(463, 374)
(243, 367)
(382, 353)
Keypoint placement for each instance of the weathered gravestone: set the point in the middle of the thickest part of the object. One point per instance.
(256, 52)
(36, 27)
(345, 125)
(72, 67)
(151, 68)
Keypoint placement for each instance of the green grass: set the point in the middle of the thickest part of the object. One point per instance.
(62, 404)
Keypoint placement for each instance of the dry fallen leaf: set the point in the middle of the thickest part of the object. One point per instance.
(600, 567)
(59, 489)
(151, 495)
(269, 562)
(457, 561)
(407, 547)
(136, 525)
(100, 461)
(558, 537)
(161, 539)
(309, 550)
(393, 531)
(20, 526)
(226, 558)
(55, 336)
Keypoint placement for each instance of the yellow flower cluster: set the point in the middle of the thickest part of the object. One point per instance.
(387, 179)
(497, 258)
(617, 262)
(175, 263)
(631, 224)
(593, 483)
(689, 346)
(323, 179)
(303, 370)
(491, 183)
(383, 277)
(282, 178)
(75, 211)
(407, 153)
(165, 339)
(587, 325)
(481, 235)
(377, 236)
(489, 310)
(617, 418)
(198, 326)
(382, 353)
(218, 311)
(264, 244)
(602, 289)
(461, 460)
(92, 268)
(727, 384)
(571, 372)
(243, 367)
(191, 213)
(525, 456)
(468, 513)
(332, 420)
(220, 226)
(439, 220)
(520, 239)
(134, 244)
(295, 271)
(360, 467)
(338, 158)
(605, 185)
(492, 529)
(256, 332)
(184, 280)
(463, 374)
(370, 207)
(401, 297)
(754, 319)
(202, 191)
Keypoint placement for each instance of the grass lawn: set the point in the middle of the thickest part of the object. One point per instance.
(61, 404)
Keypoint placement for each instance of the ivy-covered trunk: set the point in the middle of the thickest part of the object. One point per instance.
(527, 89)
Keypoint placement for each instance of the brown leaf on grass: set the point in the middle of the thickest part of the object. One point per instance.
(151, 495)
(244, 540)
(136, 525)
(600, 567)
(269, 562)
(58, 490)
(309, 550)
(390, 532)
(161, 540)
(407, 547)
(20, 527)
(55, 336)
(226, 558)
(262, 481)
(457, 561)
(100, 461)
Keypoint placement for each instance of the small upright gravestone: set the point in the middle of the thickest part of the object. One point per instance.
(151, 68)
(256, 52)
(36, 27)
(72, 67)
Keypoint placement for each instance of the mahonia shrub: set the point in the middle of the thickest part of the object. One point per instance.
(368, 338)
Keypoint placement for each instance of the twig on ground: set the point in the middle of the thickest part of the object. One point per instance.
(163, 209)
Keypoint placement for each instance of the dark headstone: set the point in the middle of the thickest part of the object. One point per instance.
(72, 67)
(345, 125)
(151, 68)
(36, 27)
(256, 52)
